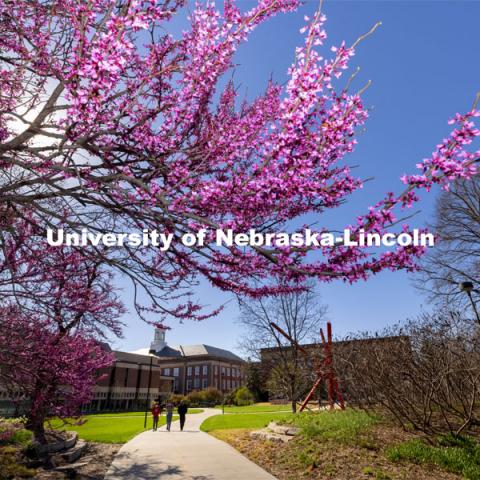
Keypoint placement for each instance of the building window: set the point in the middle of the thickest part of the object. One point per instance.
(215, 369)
(205, 369)
(166, 371)
(176, 372)
(197, 371)
(204, 383)
(196, 383)
(228, 372)
(189, 371)
(223, 370)
(189, 384)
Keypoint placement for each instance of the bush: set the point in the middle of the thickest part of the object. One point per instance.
(229, 398)
(195, 398)
(243, 397)
(12, 430)
(13, 440)
(210, 396)
(176, 399)
(424, 372)
(10, 467)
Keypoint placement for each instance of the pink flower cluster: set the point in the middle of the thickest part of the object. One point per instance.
(153, 137)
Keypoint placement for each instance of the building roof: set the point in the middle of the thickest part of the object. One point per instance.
(185, 351)
(135, 357)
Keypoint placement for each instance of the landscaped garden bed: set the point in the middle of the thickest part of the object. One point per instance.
(346, 445)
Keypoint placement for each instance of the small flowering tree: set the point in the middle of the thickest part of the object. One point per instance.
(106, 110)
(53, 372)
(55, 303)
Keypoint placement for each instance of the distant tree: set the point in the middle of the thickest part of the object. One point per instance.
(256, 381)
(456, 255)
(300, 314)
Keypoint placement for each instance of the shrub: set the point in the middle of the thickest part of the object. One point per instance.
(229, 398)
(12, 430)
(212, 395)
(424, 372)
(10, 467)
(195, 398)
(243, 397)
(176, 399)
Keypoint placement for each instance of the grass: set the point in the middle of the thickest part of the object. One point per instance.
(242, 420)
(108, 429)
(343, 426)
(257, 408)
(111, 427)
(136, 414)
(457, 455)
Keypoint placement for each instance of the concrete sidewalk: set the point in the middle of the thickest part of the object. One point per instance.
(187, 455)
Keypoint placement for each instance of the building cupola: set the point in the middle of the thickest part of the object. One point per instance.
(159, 340)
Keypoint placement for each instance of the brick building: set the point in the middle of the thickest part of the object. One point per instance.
(129, 382)
(196, 367)
(137, 378)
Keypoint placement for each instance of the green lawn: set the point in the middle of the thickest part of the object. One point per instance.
(116, 428)
(241, 420)
(258, 408)
(135, 414)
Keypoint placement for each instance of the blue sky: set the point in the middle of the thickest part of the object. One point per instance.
(423, 63)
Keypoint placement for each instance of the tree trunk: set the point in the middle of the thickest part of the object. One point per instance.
(294, 405)
(37, 413)
(35, 424)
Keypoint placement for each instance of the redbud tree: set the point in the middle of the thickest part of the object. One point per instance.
(46, 372)
(126, 125)
(55, 304)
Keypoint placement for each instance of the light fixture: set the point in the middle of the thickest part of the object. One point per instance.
(466, 287)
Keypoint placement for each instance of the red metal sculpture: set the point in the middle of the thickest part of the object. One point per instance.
(323, 368)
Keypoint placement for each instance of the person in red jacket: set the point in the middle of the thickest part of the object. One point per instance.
(156, 412)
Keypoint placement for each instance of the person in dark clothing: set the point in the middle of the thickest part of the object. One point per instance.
(182, 412)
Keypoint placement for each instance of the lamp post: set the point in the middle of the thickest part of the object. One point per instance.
(221, 385)
(467, 287)
(148, 392)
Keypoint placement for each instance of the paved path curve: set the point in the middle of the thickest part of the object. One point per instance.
(187, 455)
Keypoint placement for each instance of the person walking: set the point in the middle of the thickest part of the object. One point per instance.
(156, 412)
(182, 412)
(169, 412)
